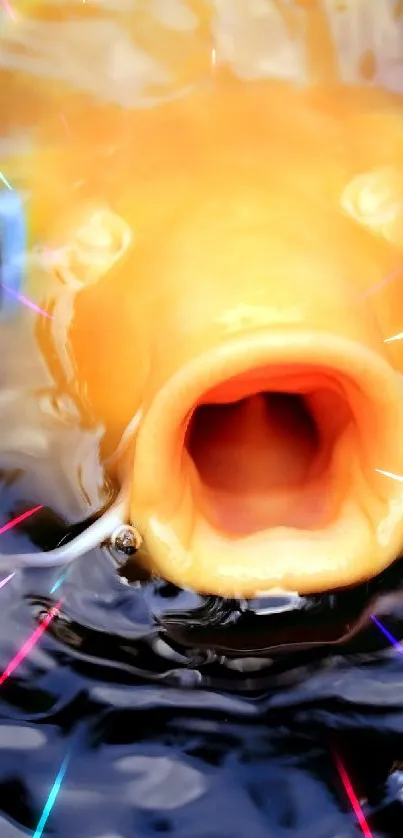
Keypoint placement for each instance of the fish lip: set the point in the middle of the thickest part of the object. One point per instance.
(379, 394)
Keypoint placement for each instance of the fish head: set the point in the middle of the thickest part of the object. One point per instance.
(242, 330)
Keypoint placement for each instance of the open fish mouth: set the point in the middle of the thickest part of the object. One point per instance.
(256, 467)
(261, 466)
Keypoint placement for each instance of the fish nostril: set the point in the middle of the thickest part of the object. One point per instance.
(374, 200)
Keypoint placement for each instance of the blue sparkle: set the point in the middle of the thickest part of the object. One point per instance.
(60, 580)
(12, 247)
(396, 643)
(52, 798)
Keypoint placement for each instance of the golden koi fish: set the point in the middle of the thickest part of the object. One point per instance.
(240, 255)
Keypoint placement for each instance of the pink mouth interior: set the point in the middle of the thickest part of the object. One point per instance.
(262, 446)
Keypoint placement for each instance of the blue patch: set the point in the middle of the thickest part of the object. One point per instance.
(12, 251)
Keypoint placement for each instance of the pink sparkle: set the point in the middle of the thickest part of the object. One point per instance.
(32, 305)
(352, 797)
(8, 9)
(29, 644)
(7, 579)
(66, 125)
(26, 302)
(19, 519)
(379, 285)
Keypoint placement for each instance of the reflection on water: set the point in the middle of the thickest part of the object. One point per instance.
(182, 715)
(172, 728)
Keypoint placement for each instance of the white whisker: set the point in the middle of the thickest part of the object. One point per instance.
(395, 337)
(96, 534)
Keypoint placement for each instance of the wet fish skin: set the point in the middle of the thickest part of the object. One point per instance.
(264, 257)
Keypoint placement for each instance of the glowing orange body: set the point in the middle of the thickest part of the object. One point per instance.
(245, 323)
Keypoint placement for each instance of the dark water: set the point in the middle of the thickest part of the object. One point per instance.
(178, 715)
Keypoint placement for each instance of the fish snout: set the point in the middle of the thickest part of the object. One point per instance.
(258, 466)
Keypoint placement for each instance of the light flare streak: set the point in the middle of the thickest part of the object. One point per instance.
(393, 640)
(65, 124)
(3, 582)
(2, 178)
(29, 644)
(19, 519)
(52, 797)
(25, 649)
(397, 477)
(60, 580)
(379, 285)
(8, 9)
(24, 300)
(10, 526)
(355, 804)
